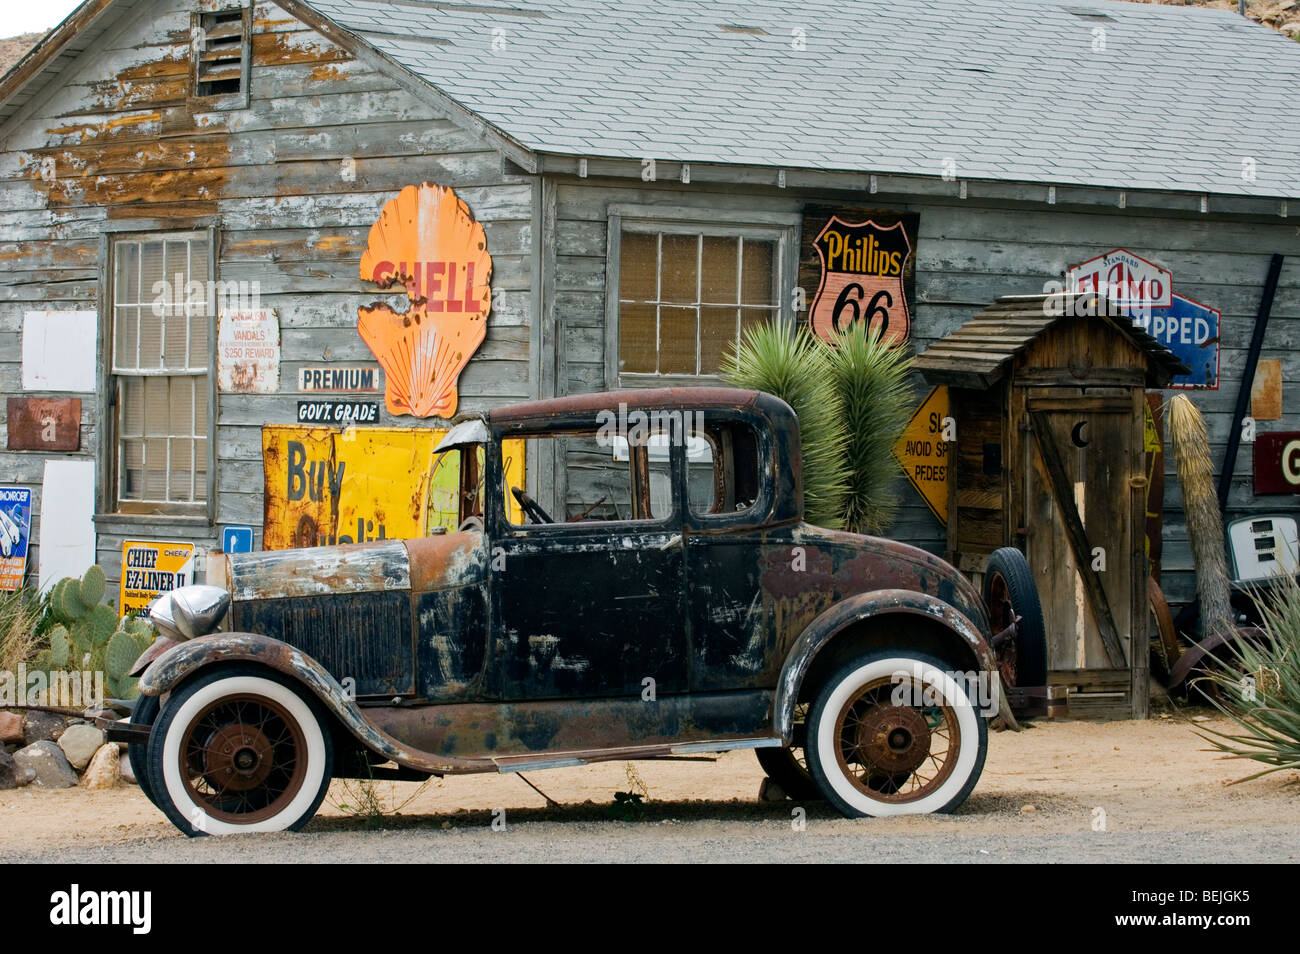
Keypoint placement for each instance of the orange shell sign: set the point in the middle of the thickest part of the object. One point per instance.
(428, 242)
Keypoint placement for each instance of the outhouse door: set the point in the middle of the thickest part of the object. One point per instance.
(1084, 523)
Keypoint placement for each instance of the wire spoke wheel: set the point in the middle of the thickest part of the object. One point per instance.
(895, 753)
(242, 759)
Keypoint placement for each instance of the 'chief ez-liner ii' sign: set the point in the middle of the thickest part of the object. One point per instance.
(862, 279)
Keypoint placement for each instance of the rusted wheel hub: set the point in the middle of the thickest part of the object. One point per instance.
(238, 757)
(894, 739)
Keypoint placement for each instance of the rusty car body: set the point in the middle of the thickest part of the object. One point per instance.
(709, 618)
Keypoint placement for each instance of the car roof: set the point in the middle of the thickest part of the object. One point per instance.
(684, 398)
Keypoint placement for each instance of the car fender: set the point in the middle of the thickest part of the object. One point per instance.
(183, 660)
(822, 630)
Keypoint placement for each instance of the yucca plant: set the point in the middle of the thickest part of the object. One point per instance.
(1259, 683)
(795, 367)
(870, 377)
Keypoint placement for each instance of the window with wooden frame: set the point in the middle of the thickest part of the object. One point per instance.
(685, 292)
(160, 382)
(221, 48)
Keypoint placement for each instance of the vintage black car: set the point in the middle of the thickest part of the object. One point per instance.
(678, 604)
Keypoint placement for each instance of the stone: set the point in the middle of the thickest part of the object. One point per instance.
(770, 791)
(125, 772)
(102, 772)
(11, 775)
(42, 727)
(49, 764)
(11, 727)
(79, 743)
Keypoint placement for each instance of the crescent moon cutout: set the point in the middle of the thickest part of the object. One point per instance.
(1076, 435)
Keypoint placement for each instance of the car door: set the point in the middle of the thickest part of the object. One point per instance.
(592, 604)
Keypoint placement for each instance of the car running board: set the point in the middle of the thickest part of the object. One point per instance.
(529, 763)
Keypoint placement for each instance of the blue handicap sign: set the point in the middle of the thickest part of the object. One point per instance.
(236, 539)
(1191, 331)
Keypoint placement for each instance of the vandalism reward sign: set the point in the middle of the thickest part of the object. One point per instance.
(862, 266)
(923, 453)
(150, 568)
(15, 534)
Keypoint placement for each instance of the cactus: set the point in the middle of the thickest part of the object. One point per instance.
(90, 589)
(120, 655)
(79, 634)
(60, 648)
(67, 600)
(101, 621)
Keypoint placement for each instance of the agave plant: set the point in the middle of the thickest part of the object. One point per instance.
(1259, 683)
(870, 377)
(794, 367)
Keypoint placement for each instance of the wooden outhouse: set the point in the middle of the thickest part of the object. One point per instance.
(1047, 395)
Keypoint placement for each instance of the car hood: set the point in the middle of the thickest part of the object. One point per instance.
(435, 562)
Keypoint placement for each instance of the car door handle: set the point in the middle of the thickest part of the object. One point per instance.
(671, 542)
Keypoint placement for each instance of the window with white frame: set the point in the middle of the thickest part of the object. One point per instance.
(160, 371)
(687, 291)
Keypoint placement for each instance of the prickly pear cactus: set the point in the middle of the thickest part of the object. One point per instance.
(60, 647)
(101, 621)
(90, 589)
(120, 656)
(66, 600)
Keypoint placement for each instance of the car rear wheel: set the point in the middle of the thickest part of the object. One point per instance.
(891, 732)
(137, 753)
(239, 749)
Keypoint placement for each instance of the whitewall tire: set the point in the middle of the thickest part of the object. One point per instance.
(891, 732)
(238, 750)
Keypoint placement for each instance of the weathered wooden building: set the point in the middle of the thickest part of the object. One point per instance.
(650, 177)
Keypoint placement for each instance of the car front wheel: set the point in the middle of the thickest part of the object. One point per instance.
(891, 732)
(239, 749)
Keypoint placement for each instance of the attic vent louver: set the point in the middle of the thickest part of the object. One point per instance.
(221, 57)
(739, 28)
(1088, 14)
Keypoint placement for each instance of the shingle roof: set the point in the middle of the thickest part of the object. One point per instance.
(1013, 90)
(980, 352)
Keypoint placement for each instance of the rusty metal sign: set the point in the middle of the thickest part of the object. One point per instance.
(328, 486)
(1277, 462)
(153, 567)
(44, 424)
(248, 352)
(339, 379)
(923, 453)
(862, 279)
(428, 243)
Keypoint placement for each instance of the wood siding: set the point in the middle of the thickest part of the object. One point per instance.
(129, 152)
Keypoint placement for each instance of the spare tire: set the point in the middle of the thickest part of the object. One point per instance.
(1009, 591)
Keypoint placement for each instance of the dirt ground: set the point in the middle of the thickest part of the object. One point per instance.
(1075, 790)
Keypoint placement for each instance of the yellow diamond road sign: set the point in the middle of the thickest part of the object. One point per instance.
(924, 453)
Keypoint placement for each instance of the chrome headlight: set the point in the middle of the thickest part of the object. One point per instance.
(189, 611)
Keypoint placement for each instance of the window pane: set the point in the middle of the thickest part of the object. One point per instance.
(157, 411)
(132, 397)
(127, 329)
(724, 478)
(717, 335)
(181, 406)
(200, 405)
(757, 270)
(718, 276)
(201, 469)
(155, 290)
(680, 269)
(131, 478)
(126, 279)
(198, 356)
(181, 463)
(638, 259)
(753, 316)
(676, 340)
(155, 468)
(636, 338)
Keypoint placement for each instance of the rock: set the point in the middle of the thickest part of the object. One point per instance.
(1291, 28)
(11, 727)
(1028, 809)
(11, 775)
(125, 772)
(770, 791)
(103, 770)
(42, 727)
(79, 743)
(49, 764)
